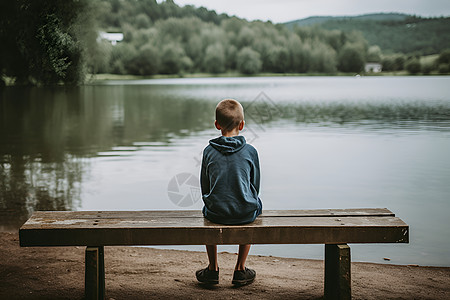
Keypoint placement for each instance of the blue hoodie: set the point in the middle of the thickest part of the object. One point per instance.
(230, 181)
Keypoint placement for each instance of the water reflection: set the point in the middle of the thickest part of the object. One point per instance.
(49, 137)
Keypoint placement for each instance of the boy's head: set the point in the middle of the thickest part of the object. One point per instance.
(229, 115)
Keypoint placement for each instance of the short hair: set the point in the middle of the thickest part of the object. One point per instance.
(229, 114)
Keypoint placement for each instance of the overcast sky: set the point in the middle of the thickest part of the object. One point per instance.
(279, 11)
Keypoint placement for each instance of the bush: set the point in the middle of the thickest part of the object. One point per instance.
(427, 68)
(444, 57)
(443, 68)
(350, 59)
(443, 62)
(172, 59)
(413, 66)
(248, 61)
(144, 62)
(214, 61)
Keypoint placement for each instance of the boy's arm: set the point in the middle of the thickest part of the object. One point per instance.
(255, 173)
(204, 178)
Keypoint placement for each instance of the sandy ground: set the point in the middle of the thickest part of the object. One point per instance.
(145, 273)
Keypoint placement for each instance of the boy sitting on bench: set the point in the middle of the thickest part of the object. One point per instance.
(230, 179)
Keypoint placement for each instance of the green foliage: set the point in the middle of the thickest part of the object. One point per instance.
(413, 65)
(248, 61)
(350, 59)
(374, 54)
(443, 68)
(444, 57)
(443, 62)
(173, 59)
(393, 33)
(394, 62)
(188, 39)
(215, 59)
(144, 62)
(52, 41)
(184, 39)
(45, 42)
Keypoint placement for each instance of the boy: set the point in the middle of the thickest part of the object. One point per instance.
(229, 180)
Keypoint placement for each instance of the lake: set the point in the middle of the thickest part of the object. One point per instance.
(324, 142)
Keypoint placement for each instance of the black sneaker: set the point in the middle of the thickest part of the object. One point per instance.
(243, 277)
(207, 276)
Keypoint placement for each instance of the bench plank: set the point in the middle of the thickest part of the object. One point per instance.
(65, 215)
(166, 228)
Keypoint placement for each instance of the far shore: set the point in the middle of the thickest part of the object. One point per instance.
(147, 273)
(93, 78)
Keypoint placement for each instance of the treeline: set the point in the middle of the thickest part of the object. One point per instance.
(411, 43)
(52, 41)
(410, 35)
(197, 40)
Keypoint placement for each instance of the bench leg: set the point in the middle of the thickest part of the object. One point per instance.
(337, 272)
(94, 280)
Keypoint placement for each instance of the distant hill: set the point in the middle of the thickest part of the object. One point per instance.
(316, 20)
(392, 32)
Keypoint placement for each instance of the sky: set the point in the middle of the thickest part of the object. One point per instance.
(279, 11)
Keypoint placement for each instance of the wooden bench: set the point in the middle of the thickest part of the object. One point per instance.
(332, 227)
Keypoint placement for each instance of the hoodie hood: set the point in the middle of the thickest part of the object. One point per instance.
(228, 145)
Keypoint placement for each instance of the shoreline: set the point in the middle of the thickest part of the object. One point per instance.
(96, 78)
(151, 273)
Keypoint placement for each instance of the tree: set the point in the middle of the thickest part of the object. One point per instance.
(374, 54)
(444, 57)
(245, 37)
(350, 59)
(413, 66)
(393, 62)
(195, 39)
(172, 59)
(443, 61)
(322, 59)
(278, 59)
(248, 61)
(145, 61)
(42, 40)
(214, 61)
(142, 21)
(121, 55)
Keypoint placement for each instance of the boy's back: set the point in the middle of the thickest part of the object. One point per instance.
(230, 178)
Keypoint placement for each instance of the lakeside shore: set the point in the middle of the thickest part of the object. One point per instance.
(94, 78)
(147, 273)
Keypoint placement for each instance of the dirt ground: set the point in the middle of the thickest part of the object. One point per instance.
(145, 273)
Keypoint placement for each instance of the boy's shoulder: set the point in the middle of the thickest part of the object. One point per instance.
(247, 148)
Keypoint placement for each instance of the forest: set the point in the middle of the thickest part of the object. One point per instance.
(51, 41)
(167, 39)
(394, 33)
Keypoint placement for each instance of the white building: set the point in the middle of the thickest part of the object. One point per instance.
(112, 37)
(373, 67)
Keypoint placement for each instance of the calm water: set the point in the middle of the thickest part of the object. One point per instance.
(324, 142)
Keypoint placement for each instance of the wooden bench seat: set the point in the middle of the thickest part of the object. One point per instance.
(332, 227)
